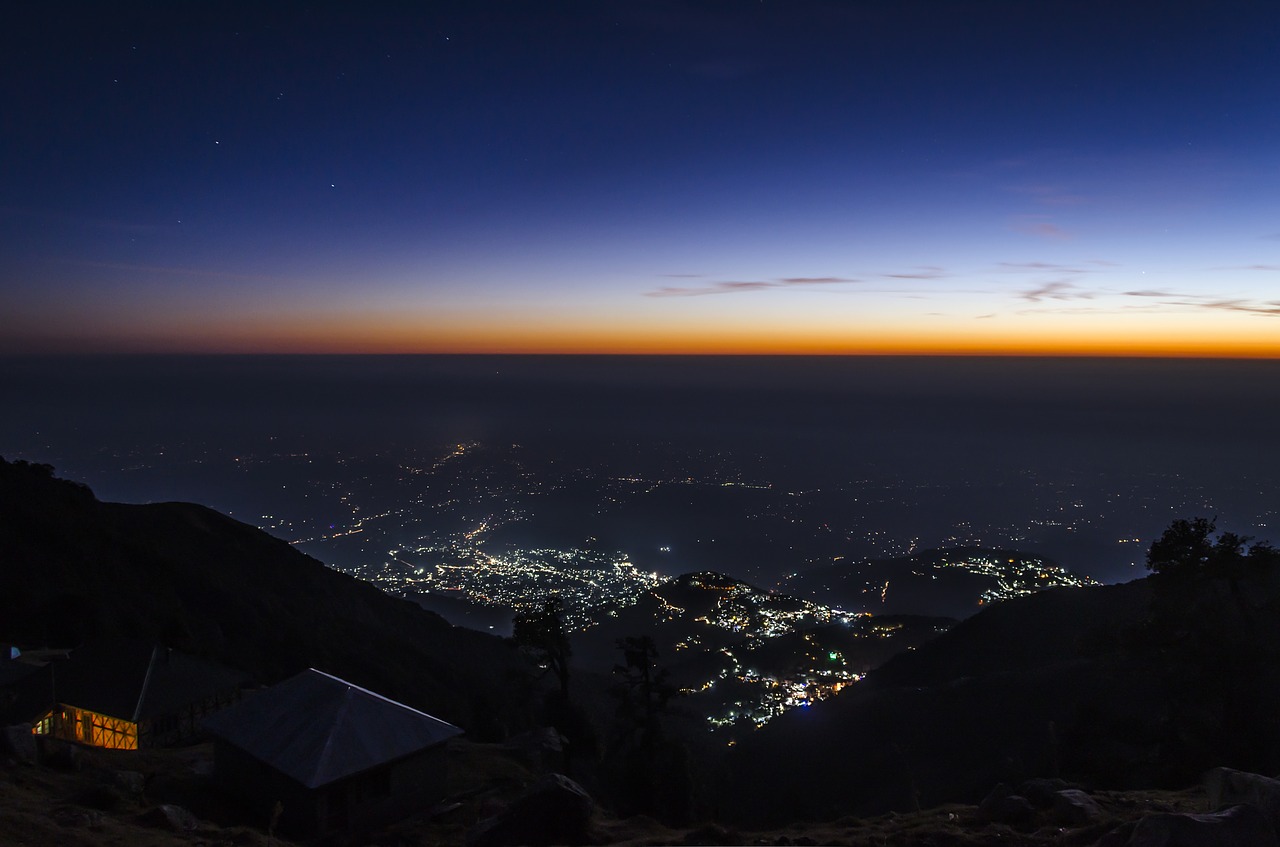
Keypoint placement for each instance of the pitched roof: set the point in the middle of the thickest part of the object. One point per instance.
(26, 691)
(136, 680)
(317, 728)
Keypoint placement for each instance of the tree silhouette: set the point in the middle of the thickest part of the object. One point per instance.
(541, 633)
(1209, 614)
(651, 772)
(1188, 548)
(1184, 548)
(644, 691)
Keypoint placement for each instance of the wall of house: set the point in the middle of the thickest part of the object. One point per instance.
(86, 727)
(184, 724)
(260, 787)
(358, 804)
(409, 786)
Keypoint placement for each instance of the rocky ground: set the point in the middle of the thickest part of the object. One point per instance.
(93, 798)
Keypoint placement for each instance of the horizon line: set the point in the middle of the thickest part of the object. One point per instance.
(139, 354)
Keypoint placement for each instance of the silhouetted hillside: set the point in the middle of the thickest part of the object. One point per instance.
(740, 655)
(1146, 684)
(75, 569)
(1061, 625)
(1142, 685)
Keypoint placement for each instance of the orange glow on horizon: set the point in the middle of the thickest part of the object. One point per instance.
(511, 333)
(603, 343)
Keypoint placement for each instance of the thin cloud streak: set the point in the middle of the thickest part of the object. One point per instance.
(1058, 289)
(925, 272)
(738, 286)
(1265, 308)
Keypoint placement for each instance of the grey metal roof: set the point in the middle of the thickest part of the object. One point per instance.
(136, 680)
(317, 728)
(26, 691)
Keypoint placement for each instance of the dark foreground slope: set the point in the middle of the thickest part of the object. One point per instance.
(1141, 685)
(75, 569)
(89, 807)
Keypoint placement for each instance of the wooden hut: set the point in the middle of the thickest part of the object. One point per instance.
(337, 759)
(127, 695)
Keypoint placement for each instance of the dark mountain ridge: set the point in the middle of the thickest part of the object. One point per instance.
(75, 569)
(740, 655)
(1144, 684)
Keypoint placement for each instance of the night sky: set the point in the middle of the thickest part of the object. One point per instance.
(871, 176)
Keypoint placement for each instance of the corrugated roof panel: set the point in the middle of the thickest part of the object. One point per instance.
(136, 680)
(317, 728)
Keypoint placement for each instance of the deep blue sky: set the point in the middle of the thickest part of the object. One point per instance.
(634, 176)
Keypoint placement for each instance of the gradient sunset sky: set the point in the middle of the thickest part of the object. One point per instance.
(871, 176)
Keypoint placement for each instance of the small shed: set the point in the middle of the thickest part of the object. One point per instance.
(329, 757)
(25, 687)
(127, 694)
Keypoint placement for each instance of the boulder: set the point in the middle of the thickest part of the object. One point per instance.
(541, 748)
(713, 834)
(131, 782)
(1238, 826)
(554, 810)
(98, 795)
(170, 817)
(1073, 807)
(1041, 791)
(17, 743)
(1003, 806)
(56, 753)
(76, 817)
(1227, 787)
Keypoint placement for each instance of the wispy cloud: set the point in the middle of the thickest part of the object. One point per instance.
(1058, 289)
(1270, 308)
(1177, 300)
(924, 272)
(1038, 225)
(1248, 268)
(739, 286)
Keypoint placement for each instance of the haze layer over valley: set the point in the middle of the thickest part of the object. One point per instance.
(520, 472)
